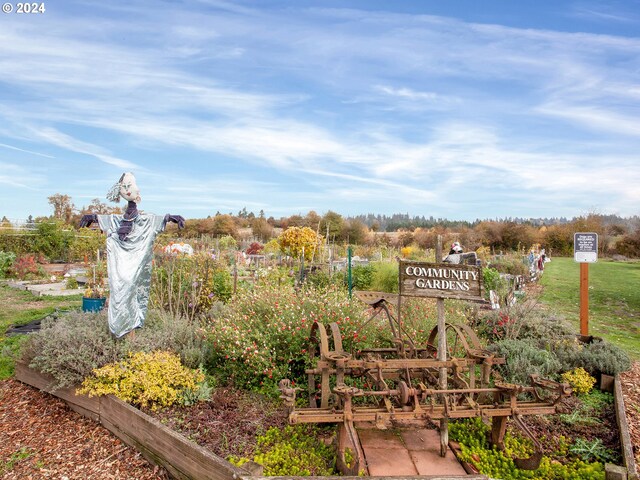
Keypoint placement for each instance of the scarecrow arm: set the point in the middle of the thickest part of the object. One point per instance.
(175, 219)
(88, 220)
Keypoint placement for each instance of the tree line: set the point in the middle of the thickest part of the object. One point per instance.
(618, 235)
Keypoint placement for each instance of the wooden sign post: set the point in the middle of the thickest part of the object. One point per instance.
(440, 281)
(585, 251)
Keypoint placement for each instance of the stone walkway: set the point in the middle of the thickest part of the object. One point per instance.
(406, 452)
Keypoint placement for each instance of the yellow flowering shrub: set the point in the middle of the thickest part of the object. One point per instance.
(579, 379)
(295, 240)
(153, 380)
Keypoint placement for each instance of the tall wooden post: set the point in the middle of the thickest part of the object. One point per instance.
(349, 277)
(442, 356)
(584, 299)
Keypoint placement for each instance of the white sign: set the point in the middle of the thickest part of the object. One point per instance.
(585, 247)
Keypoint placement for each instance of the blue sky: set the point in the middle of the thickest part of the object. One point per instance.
(456, 109)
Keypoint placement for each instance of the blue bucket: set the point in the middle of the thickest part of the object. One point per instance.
(92, 304)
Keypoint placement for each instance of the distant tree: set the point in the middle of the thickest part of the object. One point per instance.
(224, 225)
(404, 239)
(63, 208)
(353, 232)
(558, 239)
(331, 225)
(100, 208)
(629, 245)
(293, 221)
(261, 229)
(312, 220)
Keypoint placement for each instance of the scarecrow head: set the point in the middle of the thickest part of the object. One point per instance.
(126, 188)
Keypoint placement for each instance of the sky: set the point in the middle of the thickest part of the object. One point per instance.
(454, 109)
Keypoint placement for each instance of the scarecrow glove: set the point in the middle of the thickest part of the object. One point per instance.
(88, 219)
(175, 219)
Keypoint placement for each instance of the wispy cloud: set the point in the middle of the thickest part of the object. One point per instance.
(409, 108)
(11, 147)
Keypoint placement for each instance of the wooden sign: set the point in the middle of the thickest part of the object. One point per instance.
(441, 280)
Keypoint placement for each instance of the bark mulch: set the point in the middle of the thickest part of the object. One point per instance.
(40, 437)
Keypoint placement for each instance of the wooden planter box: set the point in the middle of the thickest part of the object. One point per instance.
(185, 460)
(162, 446)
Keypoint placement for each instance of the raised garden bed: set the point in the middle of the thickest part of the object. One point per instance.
(184, 459)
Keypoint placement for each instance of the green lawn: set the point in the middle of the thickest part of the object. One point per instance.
(18, 307)
(614, 298)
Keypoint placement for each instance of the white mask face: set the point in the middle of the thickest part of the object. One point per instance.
(129, 189)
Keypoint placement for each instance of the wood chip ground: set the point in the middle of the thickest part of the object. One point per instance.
(40, 437)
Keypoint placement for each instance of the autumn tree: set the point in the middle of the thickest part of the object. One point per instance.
(261, 229)
(296, 240)
(224, 225)
(312, 220)
(354, 231)
(63, 207)
(99, 208)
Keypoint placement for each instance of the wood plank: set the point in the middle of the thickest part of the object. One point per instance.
(192, 460)
(440, 280)
(45, 383)
(146, 453)
(623, 427)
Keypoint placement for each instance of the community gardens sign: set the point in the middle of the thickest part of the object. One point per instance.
(440, 280)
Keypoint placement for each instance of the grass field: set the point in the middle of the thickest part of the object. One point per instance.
(614, 299)
(18, 307)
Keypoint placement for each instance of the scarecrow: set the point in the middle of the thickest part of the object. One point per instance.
(130, 240)
(456, 256)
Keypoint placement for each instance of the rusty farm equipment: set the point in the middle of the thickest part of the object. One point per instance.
(401, 386)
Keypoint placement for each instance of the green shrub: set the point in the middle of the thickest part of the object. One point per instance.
(545, 326)
(511, 264)
(523, 358)
(263, 335)
(71, 283)
(53, 240)
(361, 276)
(292, 451)
(567, 351)
(154, 380)
(385, 277)
(491, 280)
(6, 262)
(318, 279)
(72, 346)
(162, 331)
(603, 357)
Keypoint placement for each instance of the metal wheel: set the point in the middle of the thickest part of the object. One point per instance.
(320, 352)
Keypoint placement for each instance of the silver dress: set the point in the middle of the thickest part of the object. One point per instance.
(129, 268)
